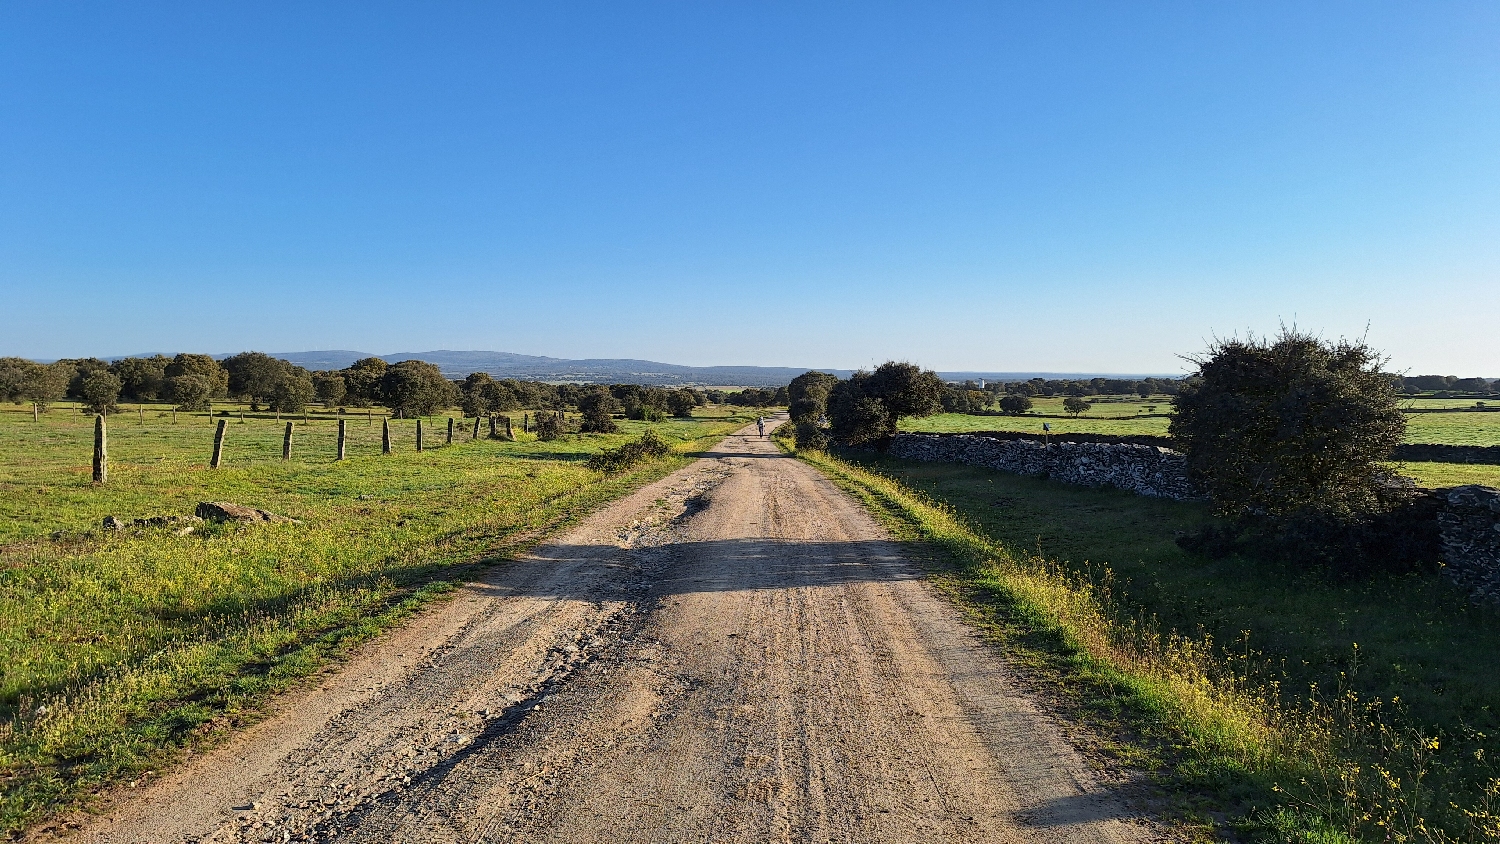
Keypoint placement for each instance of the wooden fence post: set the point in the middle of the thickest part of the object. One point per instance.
(242, 416)
(341, 439)
(385, 435)
(526, 423)
(174, 415)
(101, 451)
(141, 412)
(508, 434)
(419, 433)
(218, 444)
(493, 435)
(450, 431)
(286, 443)
(476, 429)
(36, 413)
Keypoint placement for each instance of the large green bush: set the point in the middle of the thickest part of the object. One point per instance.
(203, 366)
(547, 425)
(189, 392)
(253, 375)
(141, 378)
(619, 459)
(1288, 436)
(598, 406)
(808, 395)
(100, 391)
(416, 388)
(292, 392)
(864, 409)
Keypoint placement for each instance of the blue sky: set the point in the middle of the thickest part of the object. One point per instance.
(1000, 186)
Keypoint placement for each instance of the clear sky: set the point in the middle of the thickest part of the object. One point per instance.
(994, 186)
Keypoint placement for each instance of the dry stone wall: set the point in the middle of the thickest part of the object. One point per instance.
(1469, 528)
(1468, 516)
(1142, 469)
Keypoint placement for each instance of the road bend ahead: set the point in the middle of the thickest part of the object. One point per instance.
(732, 654)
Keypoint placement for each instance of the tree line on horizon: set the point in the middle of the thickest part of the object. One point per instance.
(191, 382)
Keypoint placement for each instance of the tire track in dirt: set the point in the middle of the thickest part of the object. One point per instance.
(735, 653)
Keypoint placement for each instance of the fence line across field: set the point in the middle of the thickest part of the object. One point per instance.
(261, 438)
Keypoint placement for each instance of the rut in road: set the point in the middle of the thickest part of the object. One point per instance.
(735, 653)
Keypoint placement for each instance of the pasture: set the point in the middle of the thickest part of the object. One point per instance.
(123, 647)
(1124, 416)
(1277, 693)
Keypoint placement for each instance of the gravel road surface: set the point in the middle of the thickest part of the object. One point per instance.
(735, 653)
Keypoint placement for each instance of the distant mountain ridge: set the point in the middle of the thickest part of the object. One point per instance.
(457, 364)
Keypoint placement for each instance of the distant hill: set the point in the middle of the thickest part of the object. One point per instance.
(457, 364)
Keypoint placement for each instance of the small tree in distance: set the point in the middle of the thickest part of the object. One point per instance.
(1015, 405)
(100, 391)
(1075, 405)
(598, 406)
(190, 392)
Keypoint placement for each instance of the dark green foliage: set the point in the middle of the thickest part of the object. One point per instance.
(189, 392)
(864, 409)
(906, 389)
(855, 417)
(547, 425)
(1280, 426)
(141, 378)
(1075, 405)
(78, 369)
(203, 366)
(362, 381)
(1288, 435)
(681, 402)
(807, 395)
(1015, 405)
(809, 437)
(100, 391)
(416, 388)
(964, 400)
(253, 375)
(13, 375)
(43, 385)
(293, 391)
(329, 388)
(479, 395)
(598, 406)
(613, 460)
(753, 397)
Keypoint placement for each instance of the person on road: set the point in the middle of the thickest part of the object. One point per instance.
(760, 424)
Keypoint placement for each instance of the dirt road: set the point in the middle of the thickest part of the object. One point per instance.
(732, 654)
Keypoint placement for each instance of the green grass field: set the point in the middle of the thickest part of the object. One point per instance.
(1292, 701)
(122, 648)
(1119, 417)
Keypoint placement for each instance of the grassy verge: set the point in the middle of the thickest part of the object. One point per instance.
(122, 648)
(1265, 703)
